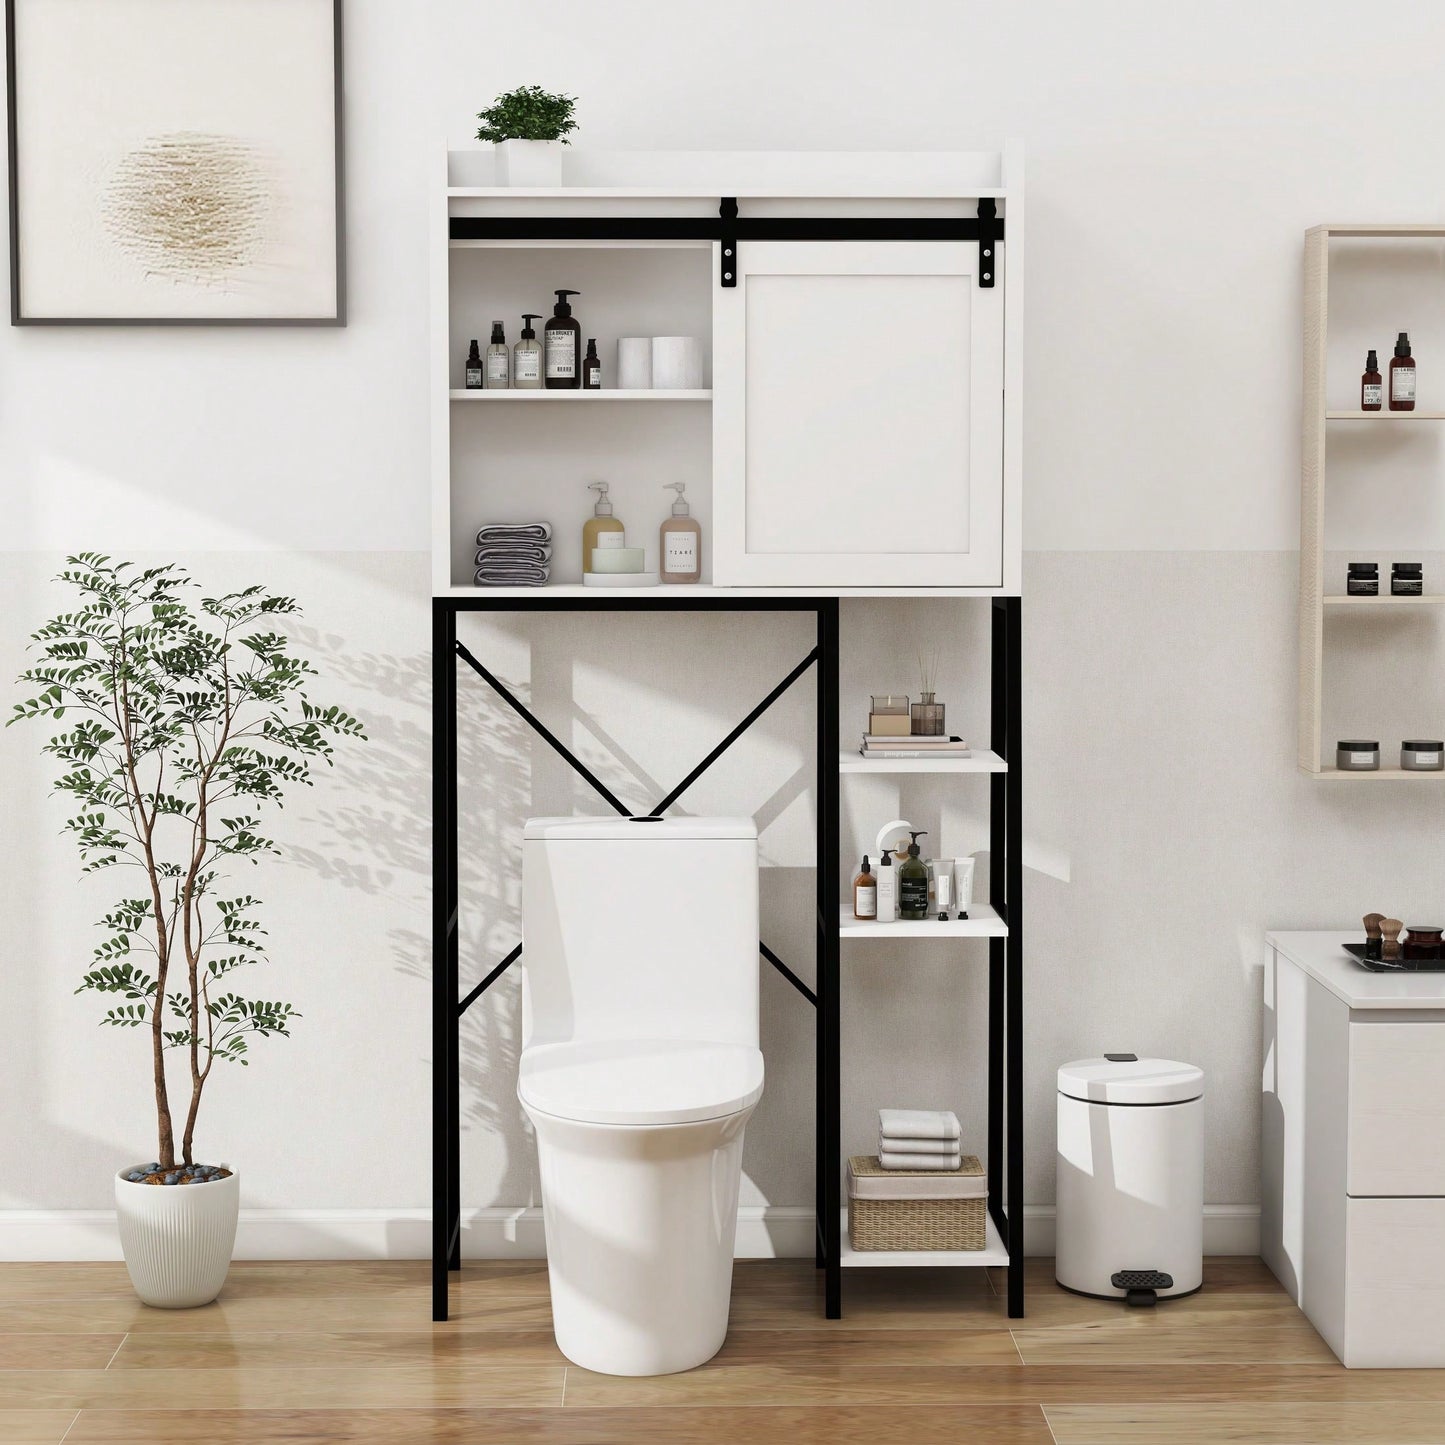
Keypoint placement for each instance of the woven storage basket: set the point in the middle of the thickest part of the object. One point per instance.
(917, 1223)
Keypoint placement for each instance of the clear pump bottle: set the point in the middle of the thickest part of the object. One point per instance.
(527, 356)
(499, 360)
(679, 542)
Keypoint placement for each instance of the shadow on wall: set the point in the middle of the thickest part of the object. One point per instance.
(640, 705)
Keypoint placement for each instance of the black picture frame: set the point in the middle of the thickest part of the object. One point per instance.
(12, 142)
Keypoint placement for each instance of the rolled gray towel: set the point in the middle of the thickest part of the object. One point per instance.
(506, 532)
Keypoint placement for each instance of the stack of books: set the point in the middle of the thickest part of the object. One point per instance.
(876, 746)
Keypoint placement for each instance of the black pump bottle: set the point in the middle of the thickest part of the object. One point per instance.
(562, 347)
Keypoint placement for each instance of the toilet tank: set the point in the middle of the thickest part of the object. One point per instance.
(640, 928)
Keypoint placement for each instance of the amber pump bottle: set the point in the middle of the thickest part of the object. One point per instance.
(562, 347)
(1402, 376)
(591, 367)
(1372, 385)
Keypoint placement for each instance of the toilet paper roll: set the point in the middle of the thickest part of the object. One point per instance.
(676, 363)
(634, 363)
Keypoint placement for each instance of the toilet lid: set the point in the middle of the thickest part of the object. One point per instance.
(640, 1081)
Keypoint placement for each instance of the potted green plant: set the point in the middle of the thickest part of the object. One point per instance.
(529, 126)
(184, 719)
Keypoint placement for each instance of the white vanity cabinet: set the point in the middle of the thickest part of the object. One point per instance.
(858, 417)
(1353, 1149)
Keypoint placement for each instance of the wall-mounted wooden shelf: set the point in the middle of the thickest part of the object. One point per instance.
(1380, 775)
(1314, 604)
(1385, 416)
(1432, 599)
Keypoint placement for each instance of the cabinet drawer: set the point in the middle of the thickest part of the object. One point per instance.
(1394, 1283)
(1397, 1108)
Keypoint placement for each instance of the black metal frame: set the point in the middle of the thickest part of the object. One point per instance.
(1005, 992)
(1005, 1066)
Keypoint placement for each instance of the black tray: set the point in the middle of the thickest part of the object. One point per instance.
(1405, 965)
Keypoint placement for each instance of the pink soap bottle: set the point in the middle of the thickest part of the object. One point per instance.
(679, 542)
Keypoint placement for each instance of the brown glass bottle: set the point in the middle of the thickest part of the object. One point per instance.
(1402, 376)
(1372, 385)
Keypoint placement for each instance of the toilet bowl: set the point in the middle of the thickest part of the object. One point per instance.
(640, 1068)
(640, 1148)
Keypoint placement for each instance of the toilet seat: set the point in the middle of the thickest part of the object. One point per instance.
(640, 1081)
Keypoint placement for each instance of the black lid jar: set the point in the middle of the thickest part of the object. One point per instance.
(1357, 755)
(1363, 579)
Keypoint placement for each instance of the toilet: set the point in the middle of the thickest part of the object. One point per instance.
(640, 1067)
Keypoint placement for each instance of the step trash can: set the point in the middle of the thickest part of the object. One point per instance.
(1130, 1178)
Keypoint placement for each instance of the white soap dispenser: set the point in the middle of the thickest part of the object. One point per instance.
(679, 541)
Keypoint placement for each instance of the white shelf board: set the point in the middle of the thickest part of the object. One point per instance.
(977, 760)
(1395, 775)
(1385, 416)
(708, 589)
(1385, 599)
(982, 922)
(616, 394)
(993, 1253)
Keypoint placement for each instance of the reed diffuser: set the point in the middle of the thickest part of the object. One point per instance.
(927, 715)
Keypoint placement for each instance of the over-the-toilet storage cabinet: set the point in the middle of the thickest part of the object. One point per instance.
(855, 432)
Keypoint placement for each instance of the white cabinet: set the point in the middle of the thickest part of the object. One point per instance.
(858, 428)
(858, 417)
(1352, 1190)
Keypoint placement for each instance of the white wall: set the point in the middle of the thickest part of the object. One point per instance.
(1175, 158)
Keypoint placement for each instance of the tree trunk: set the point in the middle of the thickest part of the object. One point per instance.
(166, 1141)
(188, 1138)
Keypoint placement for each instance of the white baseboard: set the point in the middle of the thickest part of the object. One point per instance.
(1228, 1229)
(764, 1232)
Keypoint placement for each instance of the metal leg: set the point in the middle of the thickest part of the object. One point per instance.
(830, 1130)
(1014, 971)
(997, 804)
(444, 945)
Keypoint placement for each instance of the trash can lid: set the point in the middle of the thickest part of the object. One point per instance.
(1128, 1079)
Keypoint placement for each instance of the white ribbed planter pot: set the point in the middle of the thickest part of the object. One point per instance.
(178, 1239)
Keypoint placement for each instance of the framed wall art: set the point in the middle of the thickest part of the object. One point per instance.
(175, 162)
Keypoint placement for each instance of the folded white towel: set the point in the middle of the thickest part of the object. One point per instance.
(895, 1159)
(918, 1124)
(896, 1145)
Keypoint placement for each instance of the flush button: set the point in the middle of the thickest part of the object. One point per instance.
(651, 818)
(1122, 1058)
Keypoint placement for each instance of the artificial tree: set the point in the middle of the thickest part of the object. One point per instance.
(528, 113)
(190, 716)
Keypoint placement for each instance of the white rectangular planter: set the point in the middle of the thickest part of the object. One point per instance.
(531, 163)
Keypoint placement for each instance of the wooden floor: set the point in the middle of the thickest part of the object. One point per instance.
(346, 1352)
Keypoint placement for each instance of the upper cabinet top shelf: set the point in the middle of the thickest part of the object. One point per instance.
(590, 175)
